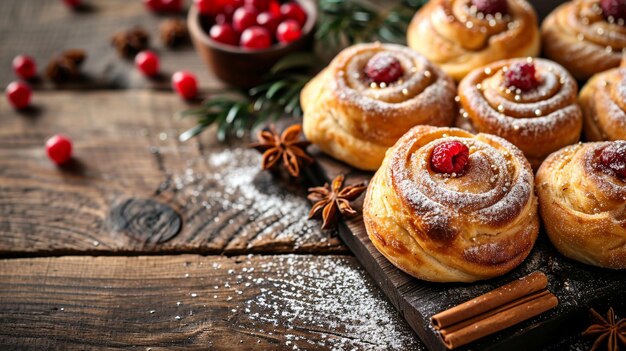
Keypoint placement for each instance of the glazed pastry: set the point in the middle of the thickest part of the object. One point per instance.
(603, 102)
(529, 102)
(369, 96)
(450, 206)
(585, 36)
(582, 197)
(462, 35)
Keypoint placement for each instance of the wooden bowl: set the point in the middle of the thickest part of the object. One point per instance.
(240, 67)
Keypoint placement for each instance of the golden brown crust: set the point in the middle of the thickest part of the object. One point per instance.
(356, 123)
(439, 228)
(583, 208)
(539, 121)
(603, 102)
(450, 35)
(577, 36)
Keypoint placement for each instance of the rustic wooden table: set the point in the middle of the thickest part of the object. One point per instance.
(91, 260)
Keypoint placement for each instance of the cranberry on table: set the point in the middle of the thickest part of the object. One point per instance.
(224, 33)
(59, 149)
(384, 68)
(24, 66)
(147, 62)
(259, 5)
(521, 75)
(292, 10)
(72, 3)
(449, 157)
(288, 31)
(244, 18)
(18, 94)
(268, 20)
(185, 84)
(255, 38)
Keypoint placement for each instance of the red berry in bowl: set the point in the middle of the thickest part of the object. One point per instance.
(18, 94)
(224, 33)
(288, 31)
(491, 7)
(255, 38)
(521, 75)
(259, 5)
(185, 84)
(164, 5)
(244, 18)
(384, 68)
(615, 9)
(59, 149)
(275, 8)
(450, 157)
(268, 20)
(209, 7)
(292, 10)
(24, 66)
(72, 3)
(613, 158)
(147, 62)
(226, 16)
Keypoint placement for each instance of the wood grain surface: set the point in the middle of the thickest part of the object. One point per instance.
(190, 302)
(133, 187)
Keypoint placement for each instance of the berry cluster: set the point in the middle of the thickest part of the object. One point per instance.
(253, 24)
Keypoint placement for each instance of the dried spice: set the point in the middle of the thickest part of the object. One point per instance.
(286, 147)
(607, 331)
(331, 201)
(129, 43)
(174, 32)
(66, 66)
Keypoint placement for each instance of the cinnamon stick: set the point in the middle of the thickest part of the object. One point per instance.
(512, 291)
(495, 310)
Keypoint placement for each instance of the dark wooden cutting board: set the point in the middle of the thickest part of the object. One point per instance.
(578, 286)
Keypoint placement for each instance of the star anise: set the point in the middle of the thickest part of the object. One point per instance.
(607, 330)
(129, 43)
(286, 147)
(174, 32)
(330, 201)
(65, 66)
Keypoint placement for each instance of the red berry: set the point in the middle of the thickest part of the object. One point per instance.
(268, 20)
(613, 8)
(59, 149)
(275, 8)
(209, 7)
(226, 16)
(224, 33)
(450, 157)
(491, 7)
(72, 3)
(164, 5)
(185, 84)
(384, 68)
(24, 66)
(255, 38)
(288, 31)
(613, 158)
(147, 62)
(18, 94)
(244, 18)
(259, 5)
(292, 10)
(521, 75)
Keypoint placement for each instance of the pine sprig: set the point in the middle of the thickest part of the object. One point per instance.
(340, 23)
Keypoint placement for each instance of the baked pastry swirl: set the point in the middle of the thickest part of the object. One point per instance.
(529, 102)
(603, 102)
(582, 196)
(369, 96)
(470, 219)
(461, 35)
(584, 37)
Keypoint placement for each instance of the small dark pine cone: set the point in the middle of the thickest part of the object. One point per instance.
(174, 33)
(131, 42)
(66, 66)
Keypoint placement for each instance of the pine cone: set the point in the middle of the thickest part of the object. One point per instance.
(174, 33)
(66, 66)
(131, 42)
